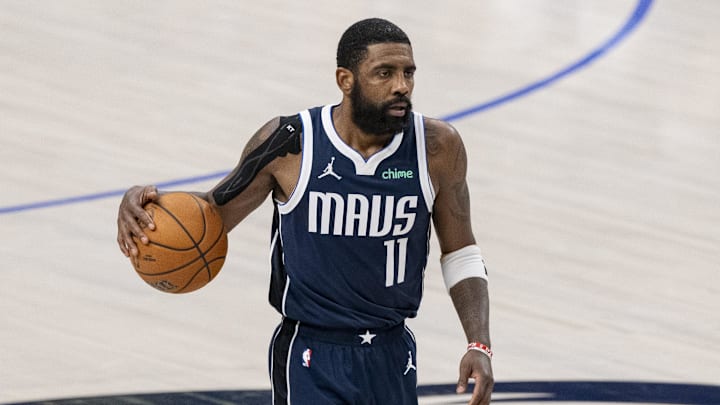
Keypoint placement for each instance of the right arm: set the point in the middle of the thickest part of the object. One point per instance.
(132, 218)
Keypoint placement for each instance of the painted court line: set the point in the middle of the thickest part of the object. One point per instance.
(636, 17)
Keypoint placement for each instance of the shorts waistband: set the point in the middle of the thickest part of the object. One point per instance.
(356, 337)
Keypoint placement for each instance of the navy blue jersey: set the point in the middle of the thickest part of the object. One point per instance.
(350, 246)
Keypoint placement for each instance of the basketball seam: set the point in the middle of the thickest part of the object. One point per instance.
(217, 240)
(195, 243)
(198, 272)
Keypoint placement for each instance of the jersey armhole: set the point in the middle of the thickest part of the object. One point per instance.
(305, 167)
(424, 176)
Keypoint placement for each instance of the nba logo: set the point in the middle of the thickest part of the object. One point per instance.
(306, 357)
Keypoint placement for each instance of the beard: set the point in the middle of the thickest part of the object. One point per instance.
(374, 118)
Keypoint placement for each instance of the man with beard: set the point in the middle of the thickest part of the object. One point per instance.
(355, 187)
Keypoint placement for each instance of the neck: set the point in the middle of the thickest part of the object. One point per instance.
(364, 143)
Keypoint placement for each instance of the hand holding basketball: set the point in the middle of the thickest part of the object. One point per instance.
(187, 249)
(186, 242)
(132, 218)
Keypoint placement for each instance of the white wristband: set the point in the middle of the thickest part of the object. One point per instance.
(461, 264)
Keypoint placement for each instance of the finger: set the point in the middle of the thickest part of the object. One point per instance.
(143, 219)
(135, 260)
(488, 392)
(130, 246)
(140, 217)
(127, 228)
(130, 223)
(462, 380)
(122, 245)
(478, 393)
(149, 194)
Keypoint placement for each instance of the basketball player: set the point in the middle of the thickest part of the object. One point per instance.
(355, 187)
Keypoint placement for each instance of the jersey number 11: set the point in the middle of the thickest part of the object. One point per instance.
(393, 245)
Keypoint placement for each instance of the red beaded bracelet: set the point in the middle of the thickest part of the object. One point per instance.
(481, 348)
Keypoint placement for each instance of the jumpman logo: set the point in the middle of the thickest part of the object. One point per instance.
(329, 170)
(410, 365)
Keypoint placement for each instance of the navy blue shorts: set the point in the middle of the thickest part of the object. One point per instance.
(312, 365)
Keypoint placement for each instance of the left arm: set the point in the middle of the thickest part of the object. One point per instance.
(462, 265)
(470, 298)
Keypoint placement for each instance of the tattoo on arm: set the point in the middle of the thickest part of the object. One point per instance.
(285, 139)
(459, 189)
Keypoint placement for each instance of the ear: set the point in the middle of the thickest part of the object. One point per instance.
(345, 80)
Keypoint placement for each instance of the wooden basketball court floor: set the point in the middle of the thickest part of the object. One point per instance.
(595, 193)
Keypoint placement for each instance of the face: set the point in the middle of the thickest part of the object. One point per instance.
(382, 88)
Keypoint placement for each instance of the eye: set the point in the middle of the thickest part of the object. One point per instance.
(409, 74)
(383, 73)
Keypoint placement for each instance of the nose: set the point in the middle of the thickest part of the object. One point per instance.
(401, 86)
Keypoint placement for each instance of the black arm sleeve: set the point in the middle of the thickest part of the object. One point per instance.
(285, 139)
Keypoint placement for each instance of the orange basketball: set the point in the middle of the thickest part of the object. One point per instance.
(187, 249)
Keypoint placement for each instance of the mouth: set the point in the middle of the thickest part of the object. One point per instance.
(398, 109)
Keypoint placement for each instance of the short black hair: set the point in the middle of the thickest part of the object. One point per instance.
(353, 44)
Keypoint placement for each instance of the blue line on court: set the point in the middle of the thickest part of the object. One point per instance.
(636, 17)
(106, 194)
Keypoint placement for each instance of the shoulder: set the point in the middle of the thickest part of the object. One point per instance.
(441, 138)
(280, 126)
(261, 135)
(445, 150)
(439, 127)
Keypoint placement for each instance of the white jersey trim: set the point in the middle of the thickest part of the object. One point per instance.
(305, 168)
(289, 359)
(425, 180)
(287, 276)
(276, 236)
(362, 167)
(272, 362)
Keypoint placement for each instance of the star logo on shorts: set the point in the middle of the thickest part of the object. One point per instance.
(367, 337)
